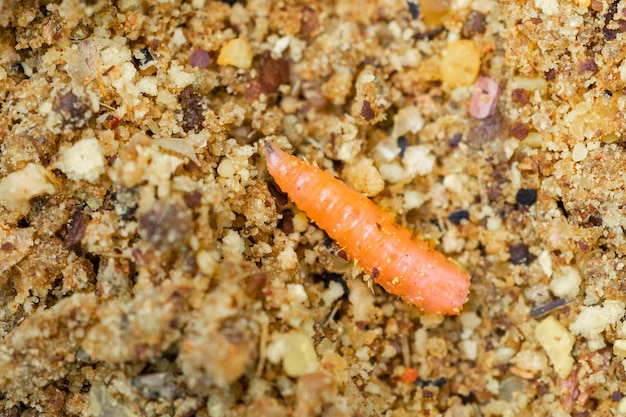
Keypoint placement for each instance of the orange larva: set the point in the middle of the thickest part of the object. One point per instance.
(403, 266)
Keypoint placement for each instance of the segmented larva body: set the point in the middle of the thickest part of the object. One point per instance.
(403, 266)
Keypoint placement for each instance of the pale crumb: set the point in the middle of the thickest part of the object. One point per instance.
(579, 152)
(297, 293)
(621, 407)
(413, 199)
(593, 320)
(565, 282)
(206, 262)
(226, 168)
(619, 348)
(408, 119)
(20, 186)
(418, 160)
(233, 246)
(389, 351)
(83, 161)
(332, 293)
(549, 7)
(470, 320)
(287, 259)
(469, 348)
(558, 342)
(364, 177)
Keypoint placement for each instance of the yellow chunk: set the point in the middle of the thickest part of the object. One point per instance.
(237, 53)
(460, 63)
(300, 357)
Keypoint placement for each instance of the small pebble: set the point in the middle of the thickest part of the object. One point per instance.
(458, 216)
(526, 197)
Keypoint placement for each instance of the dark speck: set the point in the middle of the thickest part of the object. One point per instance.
(142, 57)
(403, 143)
(75, 229)
(286, 223)
(520, 254)
(475, 24)
(192, 109)
(616, 396)
(439, 382)
(73, 109)
(455, 140)
(375, 273)
(550, 74)
(526, 197)
(366, 111)
(457, 216)
(193, 198)
(414, 9)
(595, 220)
(165, 225)
(540, 311)
(280, 197)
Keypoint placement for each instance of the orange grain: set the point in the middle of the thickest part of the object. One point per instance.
(403, 266)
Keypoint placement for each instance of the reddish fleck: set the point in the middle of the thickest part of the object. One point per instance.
(193, 198)
(286, 223)
(342, 254)
(366, 111)
(75, 229)
(375, 273)
(309, 22)
(254, 283)
(521, 96)
(273, 73)
(550, 74)
(111, 122)
(582, 245)
(596, 5)
(409, 375)
(7, 246)
(519, 130)
(200, 59)
(192, 109)
(588, 65)
(253, 90)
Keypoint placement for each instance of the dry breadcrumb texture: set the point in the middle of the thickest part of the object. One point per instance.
(150, 266)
